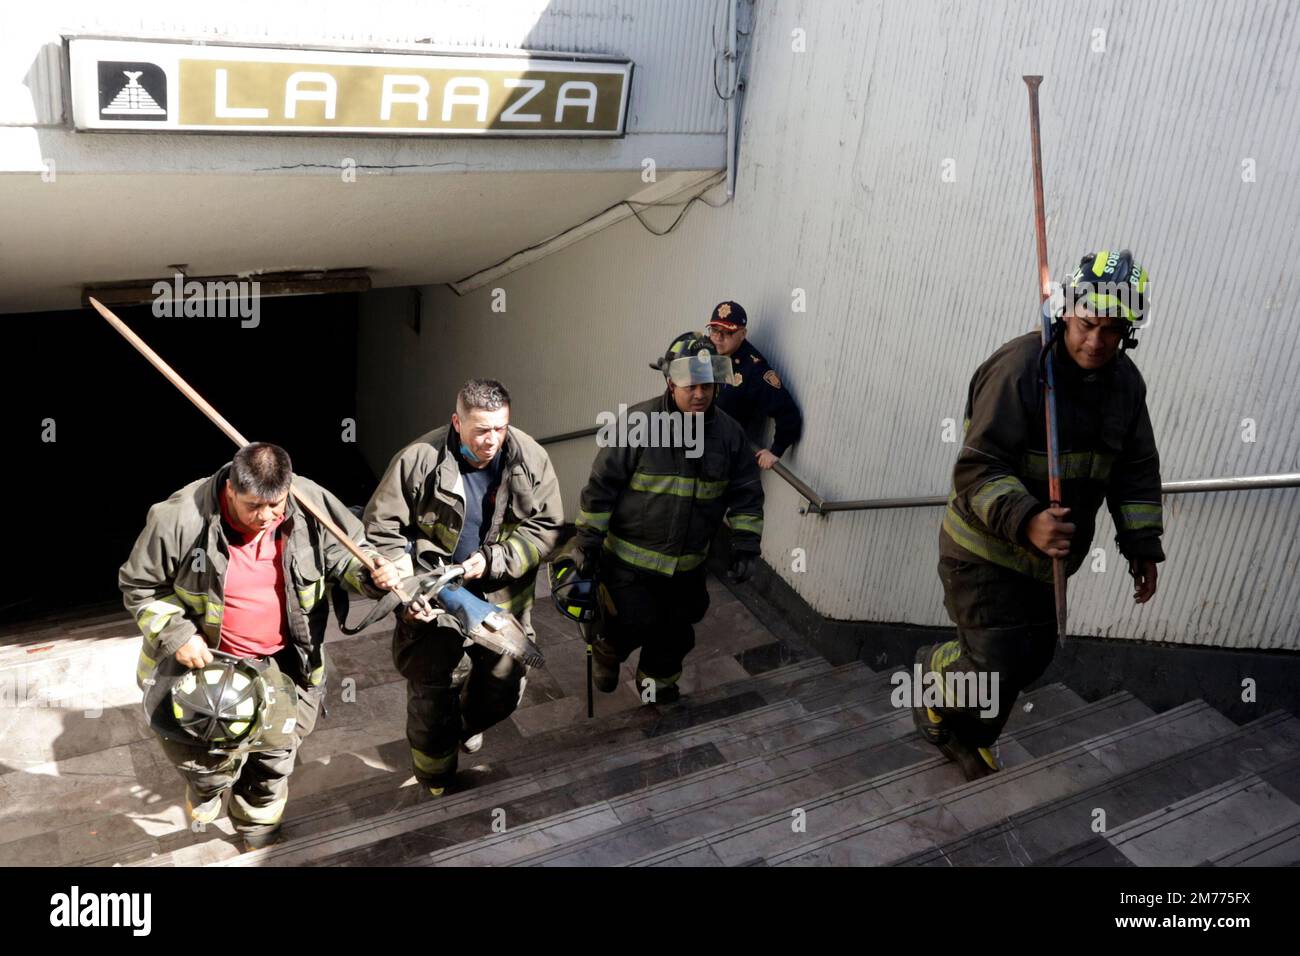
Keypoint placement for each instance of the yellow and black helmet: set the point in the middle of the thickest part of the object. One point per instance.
(1110, 284)
(575, 596)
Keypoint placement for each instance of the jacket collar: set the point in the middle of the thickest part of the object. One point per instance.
(450, 483)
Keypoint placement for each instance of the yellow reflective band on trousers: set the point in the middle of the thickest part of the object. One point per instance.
(1074, 465)
(991, 548)
(750, 523)
(639, 557)
(1139, 515)
(430, 765)
(595, 520)
(241, 809)
(519, 601)
(658, 681)
(988, 493)
(676, 485)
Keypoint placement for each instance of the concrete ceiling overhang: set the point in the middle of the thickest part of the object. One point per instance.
(405, 229)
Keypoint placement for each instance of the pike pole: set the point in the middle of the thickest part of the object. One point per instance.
(240, 441)
(1049, 385)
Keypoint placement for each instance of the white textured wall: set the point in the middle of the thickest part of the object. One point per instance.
(840, 193)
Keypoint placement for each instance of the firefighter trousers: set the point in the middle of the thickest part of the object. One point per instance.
(453, 691)
(258, 782)
(655, 613)
(1006, 636)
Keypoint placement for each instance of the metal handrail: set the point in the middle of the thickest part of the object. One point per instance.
(819, 505)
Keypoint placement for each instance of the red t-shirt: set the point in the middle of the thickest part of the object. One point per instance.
(253, 623)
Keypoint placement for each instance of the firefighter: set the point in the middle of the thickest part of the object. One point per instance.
(999, 534)
(648, 513)
(481, 494)
(230, 564)
(756, 393)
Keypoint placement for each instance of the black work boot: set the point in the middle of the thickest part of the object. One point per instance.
(661, 693)
(928, 723)
(260, 839)
(604, 668)
(974, 762)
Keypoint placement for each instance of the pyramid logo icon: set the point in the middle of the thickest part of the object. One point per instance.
(132, 91)
(133, 98)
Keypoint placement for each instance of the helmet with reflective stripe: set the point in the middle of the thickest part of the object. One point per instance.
(693, 359)
(1110, 284)
(217, 703)
(231, 705)
(575, 596)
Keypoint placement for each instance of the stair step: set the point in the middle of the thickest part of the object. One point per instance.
(1279, 847)
(379, 825)
(939, 817)
(778, 778)
(374, 773)
(894, 814)
(1213, 823)
(1043, 834)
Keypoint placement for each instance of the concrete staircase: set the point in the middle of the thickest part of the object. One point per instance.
(796, 763)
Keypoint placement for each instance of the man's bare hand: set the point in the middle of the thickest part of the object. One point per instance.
(421, 610)
(474, 566)
(385, 576)
(1049, 533)
(1144, 580)
(766, 459)
(194, 653)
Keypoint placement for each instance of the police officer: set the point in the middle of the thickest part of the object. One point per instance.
(999, 534)
(756, 393)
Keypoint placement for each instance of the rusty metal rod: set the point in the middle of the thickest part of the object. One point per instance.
(231, 432)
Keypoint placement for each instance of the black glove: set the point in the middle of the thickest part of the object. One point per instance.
(742, 566)
(583, 562)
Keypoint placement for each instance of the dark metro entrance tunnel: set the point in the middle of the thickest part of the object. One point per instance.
(100, 435)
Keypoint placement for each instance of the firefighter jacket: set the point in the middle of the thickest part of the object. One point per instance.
(173, 582)
(656, 509)
(421, 499)
(1108, 452)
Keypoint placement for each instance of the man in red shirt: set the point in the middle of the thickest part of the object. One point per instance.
(232, 563)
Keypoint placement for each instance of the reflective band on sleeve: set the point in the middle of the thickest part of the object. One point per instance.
(988, 493)
(595, 520)
(1095, 466)
(746, 523)
(994, 549)
(1138, 515)
(155, 615)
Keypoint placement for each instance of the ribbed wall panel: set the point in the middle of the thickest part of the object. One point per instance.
(912, 281)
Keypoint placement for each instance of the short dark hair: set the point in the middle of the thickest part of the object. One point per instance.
(485, 393)
(262, 470)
